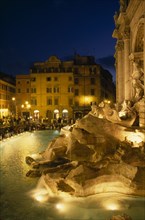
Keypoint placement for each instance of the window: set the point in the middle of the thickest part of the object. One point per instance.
(55, 78)
(93, 81)
(92, 91)
(49, 90)
(33, 90)
(27, 90)
(49, 101)
(76, 81)
(56, 89)
(76, 103)
(70, 78)
(56, 102)
(69, 69)
(19, 90)
(48, 79)
(70, 89)
(76, 71)
(76, 92)
(56, 70)
(33, 79)
(70, 102)
(33, 101)
(92, 70)
(27, 82)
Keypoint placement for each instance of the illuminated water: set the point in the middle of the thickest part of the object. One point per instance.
(17, 204)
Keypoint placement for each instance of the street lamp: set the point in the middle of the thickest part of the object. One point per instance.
(15, 106)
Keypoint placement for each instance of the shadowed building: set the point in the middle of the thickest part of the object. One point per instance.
(7, 95)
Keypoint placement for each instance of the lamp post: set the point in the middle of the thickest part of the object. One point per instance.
(14, 109)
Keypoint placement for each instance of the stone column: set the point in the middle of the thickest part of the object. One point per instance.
(144, 53)
(119, 72)
(126, 64)
(142, 109)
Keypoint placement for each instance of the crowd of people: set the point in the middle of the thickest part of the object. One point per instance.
(10, 126)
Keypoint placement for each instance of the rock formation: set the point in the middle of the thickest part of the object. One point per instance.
(92, 156)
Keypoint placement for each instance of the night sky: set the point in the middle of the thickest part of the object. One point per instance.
(33, 30)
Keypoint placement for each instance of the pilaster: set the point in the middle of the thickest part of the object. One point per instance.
(120, 72)
(126, 36)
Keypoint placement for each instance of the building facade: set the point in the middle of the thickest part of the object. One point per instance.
(63, 89)
(130, 54)
(7, 96)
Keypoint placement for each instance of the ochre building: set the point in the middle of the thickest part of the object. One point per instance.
(63, 89)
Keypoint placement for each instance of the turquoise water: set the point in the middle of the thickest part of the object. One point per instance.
(16, 202)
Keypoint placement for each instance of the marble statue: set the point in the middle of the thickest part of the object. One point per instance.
(137, 82)
(125, 116)
(122, 5)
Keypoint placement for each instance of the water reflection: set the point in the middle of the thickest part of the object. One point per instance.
(20, 199)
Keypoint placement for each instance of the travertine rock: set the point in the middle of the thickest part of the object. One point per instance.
(91, 157)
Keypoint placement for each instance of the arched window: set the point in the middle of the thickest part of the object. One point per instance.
(65, 114)
(56, 114)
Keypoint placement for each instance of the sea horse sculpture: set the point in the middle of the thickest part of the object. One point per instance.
(126, 116)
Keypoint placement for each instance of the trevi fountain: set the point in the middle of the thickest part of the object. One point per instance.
(102, 153)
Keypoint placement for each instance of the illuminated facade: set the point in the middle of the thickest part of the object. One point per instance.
(63, 89)
(23, 95)
(7, 94)
(130, 53)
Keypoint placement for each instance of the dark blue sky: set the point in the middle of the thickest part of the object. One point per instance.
(33, 30)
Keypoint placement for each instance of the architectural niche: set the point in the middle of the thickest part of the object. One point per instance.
(130, 54)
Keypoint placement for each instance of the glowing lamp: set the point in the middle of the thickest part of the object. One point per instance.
(60, 206)
(135, 139)
(41, 196)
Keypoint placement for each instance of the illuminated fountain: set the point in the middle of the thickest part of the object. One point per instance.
(101, 153)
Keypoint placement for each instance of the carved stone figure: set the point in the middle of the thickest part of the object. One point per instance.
(115, 18)
(122, 5)
(125, 116)
(137, 82)
(126, 110)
